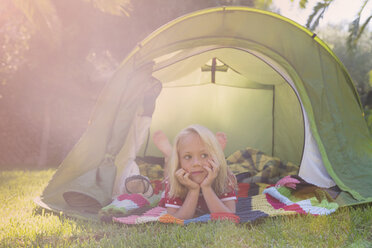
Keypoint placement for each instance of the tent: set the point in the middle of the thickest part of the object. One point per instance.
(264, 80)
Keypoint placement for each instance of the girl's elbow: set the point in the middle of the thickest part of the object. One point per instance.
(231, 206)
(231, 210)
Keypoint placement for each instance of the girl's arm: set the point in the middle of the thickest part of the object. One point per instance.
(215, 204)
(187, 210)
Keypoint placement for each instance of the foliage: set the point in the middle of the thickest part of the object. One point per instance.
(355, 28)
(55, 58)
(14, 39)
(23, 224)
(318, 12)
(263, 4)
(40, 13)
(357, 61)
(113, 7)
(368, 118)
(26, 23)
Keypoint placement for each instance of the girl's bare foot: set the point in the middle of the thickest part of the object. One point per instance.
(222, 139)
(162, 143)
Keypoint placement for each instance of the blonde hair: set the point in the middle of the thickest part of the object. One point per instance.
(214, 148)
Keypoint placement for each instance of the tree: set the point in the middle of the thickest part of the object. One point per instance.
(356, 29)
(24, 20)
(56, 56)
(49, 51)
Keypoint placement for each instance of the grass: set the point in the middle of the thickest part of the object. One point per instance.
(23, 224)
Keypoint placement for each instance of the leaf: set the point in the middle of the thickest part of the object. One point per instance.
(368, 118)
(113, 7)
(43, 16)
(318, 12)
(362, 28)
(262, 4)
(319, 7)
(39, 12)
(354, 26)
(355, 32)
(303, 3)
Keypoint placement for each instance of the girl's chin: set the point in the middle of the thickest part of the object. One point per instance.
(198, 178)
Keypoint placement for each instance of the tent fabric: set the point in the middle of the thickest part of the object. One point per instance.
(284, 91)
(135, 138)
(99, 145)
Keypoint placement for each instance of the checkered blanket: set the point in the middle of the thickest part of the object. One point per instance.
(253, 166)
(291, 195)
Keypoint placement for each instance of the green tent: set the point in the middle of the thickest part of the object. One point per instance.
(266, 81)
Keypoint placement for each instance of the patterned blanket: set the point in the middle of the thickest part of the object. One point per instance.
(253, 166)
(267, 187)
(291, 195)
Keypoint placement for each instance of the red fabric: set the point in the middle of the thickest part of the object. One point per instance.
(295, 207)
(276, 204)
(243, 189)
(157, 186)
(136, 198)
(225, 216)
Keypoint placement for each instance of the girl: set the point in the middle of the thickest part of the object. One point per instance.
(199, 180)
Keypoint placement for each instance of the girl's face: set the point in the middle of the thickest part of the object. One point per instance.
(193, 155)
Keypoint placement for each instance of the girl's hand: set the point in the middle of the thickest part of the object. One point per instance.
(212, 170)
(184, 178)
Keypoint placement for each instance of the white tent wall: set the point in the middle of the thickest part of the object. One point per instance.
(248, 117)
(235, 111)
(312, 167)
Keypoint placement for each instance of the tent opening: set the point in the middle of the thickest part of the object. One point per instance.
(230, 90)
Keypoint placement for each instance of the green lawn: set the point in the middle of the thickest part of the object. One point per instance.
(23, 224)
